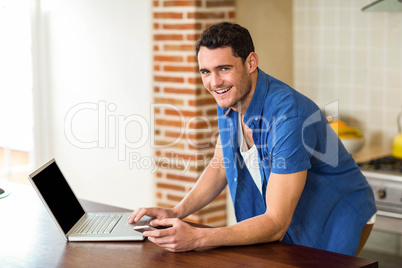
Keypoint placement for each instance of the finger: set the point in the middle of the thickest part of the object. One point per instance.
(157, 233)
(132, 216)
(136, 215)
(163, 222)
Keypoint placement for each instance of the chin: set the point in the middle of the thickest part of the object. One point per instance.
(225, 105)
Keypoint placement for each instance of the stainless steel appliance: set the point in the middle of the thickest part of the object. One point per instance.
(385, 177)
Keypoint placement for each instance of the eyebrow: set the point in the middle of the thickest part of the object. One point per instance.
(217, 67)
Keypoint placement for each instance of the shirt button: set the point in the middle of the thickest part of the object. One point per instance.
(256, 118)
(235, 179)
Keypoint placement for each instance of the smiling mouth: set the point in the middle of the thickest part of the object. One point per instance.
(223, 90)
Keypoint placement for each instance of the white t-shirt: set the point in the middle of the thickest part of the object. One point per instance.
(250, 156)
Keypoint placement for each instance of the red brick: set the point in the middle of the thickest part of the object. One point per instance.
(221, 3)
(195, 124)
(199, 168)
(170, 165)
(180, 48)
(164, 205)
(168, 37)
(210, 210)
(168, 58)
(197, 147)
(169, 123)
(192, 58)
(181, 178)
(187, 91)
(169, 79)
(170, 68)
(201, 102)
(218, 218)
(182, 112)
(205, 156)
(193, 37)
(170, 186)
(195, 136)
(206, 15)
(199, 92)
(157, 67)
(156, 3)
(173, 101)
(169, 144)
(185, 157)
(174, 197)
(232, 15)
(182, 26)
(182, 3)
(168, 15)
(220, 197)
(195, 81)
(175, 135)
(199, 221)
(211, 112)
(156, 26)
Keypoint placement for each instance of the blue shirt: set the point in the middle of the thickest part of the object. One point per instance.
(291, 135)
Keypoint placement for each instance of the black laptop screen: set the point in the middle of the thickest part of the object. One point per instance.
(58, 196)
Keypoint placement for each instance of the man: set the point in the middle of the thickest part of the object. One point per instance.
(289, 176)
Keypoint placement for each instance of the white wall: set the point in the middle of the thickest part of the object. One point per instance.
(353, 57)
(98, 55)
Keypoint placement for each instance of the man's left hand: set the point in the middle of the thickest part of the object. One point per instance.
(179, 237)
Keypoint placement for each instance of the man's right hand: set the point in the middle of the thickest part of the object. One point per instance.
(153, 212)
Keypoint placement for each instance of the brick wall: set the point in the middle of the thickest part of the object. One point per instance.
(185, 122)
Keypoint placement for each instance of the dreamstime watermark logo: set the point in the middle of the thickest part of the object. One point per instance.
(112, 131)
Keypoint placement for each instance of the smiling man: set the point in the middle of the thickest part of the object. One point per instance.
(290, 178)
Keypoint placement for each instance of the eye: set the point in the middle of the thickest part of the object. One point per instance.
(204, 72)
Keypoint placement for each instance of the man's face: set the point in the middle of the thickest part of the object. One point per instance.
(225, 76)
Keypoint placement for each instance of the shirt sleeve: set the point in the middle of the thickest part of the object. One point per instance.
(289, 140)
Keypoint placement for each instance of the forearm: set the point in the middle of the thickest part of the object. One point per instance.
(260, 229)
(208, 187)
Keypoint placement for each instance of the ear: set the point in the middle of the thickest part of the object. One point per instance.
(252, 62)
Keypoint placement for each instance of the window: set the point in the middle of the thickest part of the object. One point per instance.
(16, 116)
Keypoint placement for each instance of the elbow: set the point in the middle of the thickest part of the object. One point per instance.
(280, 229)
(281, 234)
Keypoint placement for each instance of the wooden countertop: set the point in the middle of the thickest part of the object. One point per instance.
(29, 238)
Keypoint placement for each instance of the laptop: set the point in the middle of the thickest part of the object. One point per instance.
(70, 217)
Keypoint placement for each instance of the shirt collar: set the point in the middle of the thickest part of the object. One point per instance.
(258, 100)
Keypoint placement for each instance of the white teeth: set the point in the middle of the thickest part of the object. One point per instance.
(223, 90)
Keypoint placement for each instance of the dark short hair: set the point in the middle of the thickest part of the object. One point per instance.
(226, 34)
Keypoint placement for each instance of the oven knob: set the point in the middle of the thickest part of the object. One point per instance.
(382, 193)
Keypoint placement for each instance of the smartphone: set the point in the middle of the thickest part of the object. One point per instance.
(143, 228)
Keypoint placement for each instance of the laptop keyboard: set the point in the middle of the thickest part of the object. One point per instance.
(99, 224)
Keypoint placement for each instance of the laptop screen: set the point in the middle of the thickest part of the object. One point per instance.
(58, 196)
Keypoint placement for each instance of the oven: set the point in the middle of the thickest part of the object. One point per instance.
(385, 178)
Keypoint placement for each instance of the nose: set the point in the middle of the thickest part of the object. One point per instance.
(216, 81)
